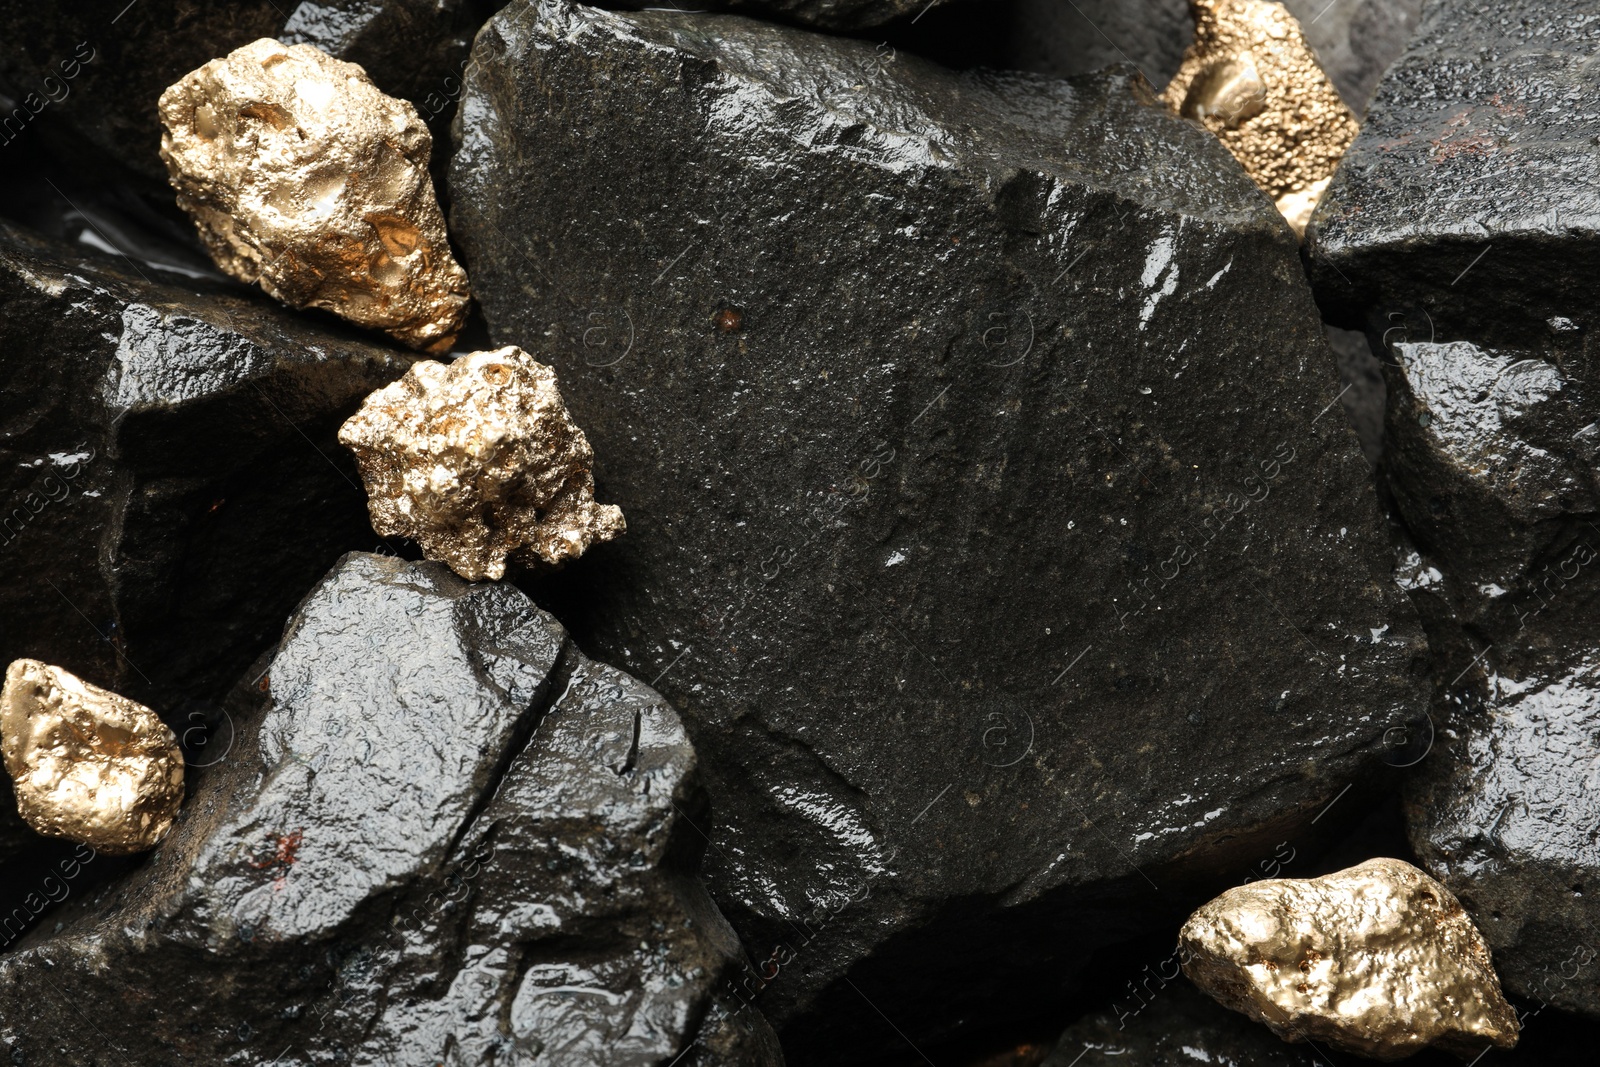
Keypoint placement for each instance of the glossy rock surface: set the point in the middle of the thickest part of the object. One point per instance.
(161, 435)
(1459, 235)
(85, 763)
(1479, 143)
(303, 177)
(1379, 960)
(1177, 1027)
(932, 566)
(110, 61)
(478, 459)
(441, 834)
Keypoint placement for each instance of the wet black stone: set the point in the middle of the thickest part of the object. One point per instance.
(837, 15)
(1355, 40)
(442, 835)
(88, 74)
(1173, 1025)
(920, 553)
(1467, 206)
(170, 479)
(1459, 234)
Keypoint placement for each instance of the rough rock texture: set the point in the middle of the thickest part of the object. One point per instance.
(170, 481)
(1355, 40)
(387, 869)
(1379, 960)
(1460, 235)
(933, 565)
(835, 15)
(86, 763)
(1479, 142)
(302, 176)
(1178, 1027)
(101, 107)
(476, 460)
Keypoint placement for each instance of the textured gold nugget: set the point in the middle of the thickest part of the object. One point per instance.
(1379, 960)
(1251, 79)
(302, 175)
(476, 460)
(88, 764)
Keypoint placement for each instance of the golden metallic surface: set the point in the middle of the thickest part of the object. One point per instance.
(1379, 960)
(88, 764)
(302, 175)
(478, 460)
(1251, 79)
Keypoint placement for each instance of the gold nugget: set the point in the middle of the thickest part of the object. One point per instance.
(88, 764)
(477, 460)
(1251, 79)
(302, 175)
(1379, 960)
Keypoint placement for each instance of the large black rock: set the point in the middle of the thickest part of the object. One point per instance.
(88, 74)
(992, 521)
(170, 479)
(441, 834)
(1460, 233)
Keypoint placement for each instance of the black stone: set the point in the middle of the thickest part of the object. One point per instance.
(441, 835)
(1173, 1025)
(1460, 233)
(88, 74)
(170, 478)
(1467, 206)
(920, 550)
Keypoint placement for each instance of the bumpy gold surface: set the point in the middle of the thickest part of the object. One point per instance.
(1378, 959)
(300, 174)
(88, 764)
(477, 460)
(1251, 79)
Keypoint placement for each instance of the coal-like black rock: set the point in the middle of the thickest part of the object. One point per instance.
(1458, 233)
(1355, 40)
(1172, 1024)
(991, 517)
(1467, 207)
(88, 74)
(441, 835)
(835, 15)
(170, 480)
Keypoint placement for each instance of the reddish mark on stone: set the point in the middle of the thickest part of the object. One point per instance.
(283, 854)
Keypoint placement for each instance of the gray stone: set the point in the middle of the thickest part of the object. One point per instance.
(1459, 234)
(441, 835)
(169, 477)
(919, 391)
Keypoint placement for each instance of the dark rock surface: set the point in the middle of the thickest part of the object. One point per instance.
(835, 15)
(89, 74)
(1178, 1026)
(1459, 234)
(1002, 562)
(170, 480)
(1469, 199)
(1355, 40)
(441, 835)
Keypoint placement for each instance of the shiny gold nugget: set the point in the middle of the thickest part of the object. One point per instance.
(477, 460)
(1251, 79)
(1379, 960)
(301, 175)
(88, 764)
